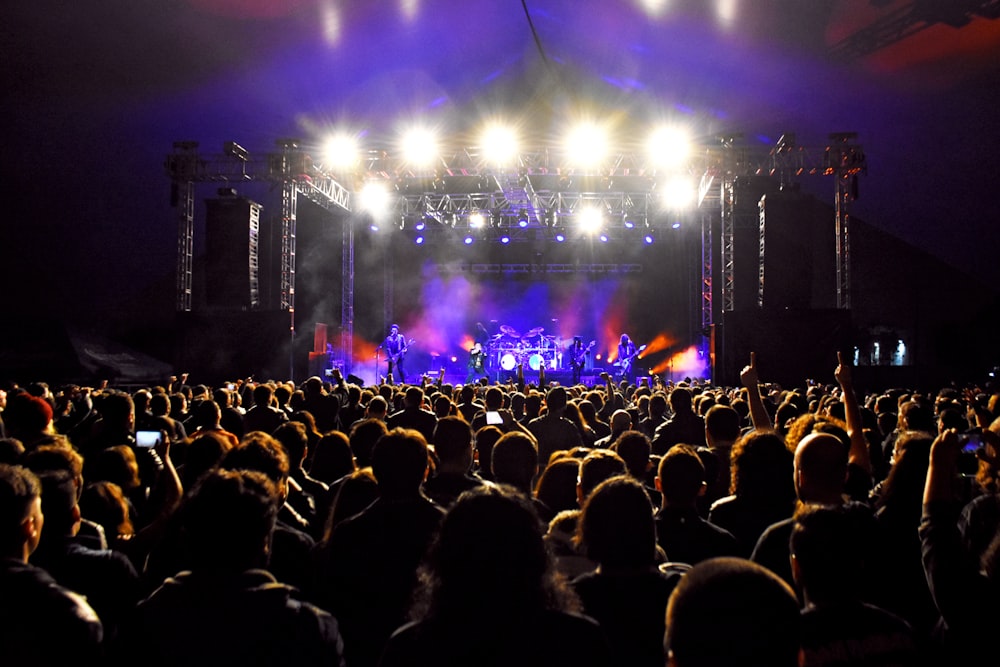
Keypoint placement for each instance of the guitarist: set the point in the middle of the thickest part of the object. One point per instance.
(395, 349)
(578, 357)
(627, 352)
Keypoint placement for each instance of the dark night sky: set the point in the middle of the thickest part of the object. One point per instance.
(97, 92)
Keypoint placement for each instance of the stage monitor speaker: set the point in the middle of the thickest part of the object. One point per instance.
(232, 229)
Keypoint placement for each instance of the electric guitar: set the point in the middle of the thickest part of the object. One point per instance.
(626, 363)
(396, 358)
(580, 358)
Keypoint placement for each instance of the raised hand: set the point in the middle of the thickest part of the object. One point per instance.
(748, 376)
(843, 371)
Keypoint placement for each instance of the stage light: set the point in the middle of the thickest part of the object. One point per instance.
(586, 145)
(499, 145)
(603, 237)
(419, 240)
(677, 193)
(468, 240)
(420, 226)
(419, 147)
(476, 220)
(560, 237)
(373, 226)
(591, 220)
(629, 223)
(668, 147)
(341, 151)
(522, 218)
(676, 225)
(374, 198)
(648, 239)
(505, 239)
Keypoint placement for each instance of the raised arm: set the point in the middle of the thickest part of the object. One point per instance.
(858, 455)
(758, 413)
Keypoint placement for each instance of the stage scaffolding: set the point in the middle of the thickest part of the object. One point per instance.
(536, 197)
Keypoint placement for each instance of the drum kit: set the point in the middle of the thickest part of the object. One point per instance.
(508, 349)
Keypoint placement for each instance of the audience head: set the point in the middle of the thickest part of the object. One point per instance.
(228, 518)
(514, 460)
(616, 527)
(730, 611)
(333, 458)
(452, 442)
(722, 425)
(634, 448)
(681, 476)
(556, 487)
(489, 529)
(363, 437)
(597, 466)
(21, 517)
(820, 466)
(399, 461)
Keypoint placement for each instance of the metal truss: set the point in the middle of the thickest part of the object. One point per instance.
(910, 19)
(452, 268)
(786, 161)
(289, 167)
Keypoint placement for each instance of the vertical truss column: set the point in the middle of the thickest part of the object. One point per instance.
(347, 295)
(288, 207)
(728, 208)
(842, 224)
(706, 275)
(760, 258)
(185, 244)
(844, 160)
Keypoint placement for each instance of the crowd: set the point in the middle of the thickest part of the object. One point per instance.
(499, 524)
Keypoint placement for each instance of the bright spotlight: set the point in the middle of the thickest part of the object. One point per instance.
(476, 220)
(374, 227)
(648, 239)
(420, 226)
(603, 237)
(341, 151)
(591, 220)
(560, 237)
(419, 147)
(419, 240)
(505, 239)
(522, 219)
(678, 193)
(374, 198)
(468, 240)
(499, 144)
(586, 145)
(676, 225)
(668, 147)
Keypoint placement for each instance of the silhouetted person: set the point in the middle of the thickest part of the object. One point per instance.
(40, 621)
(367, 569)
(228, 610)
(729, 611)
(489, 595)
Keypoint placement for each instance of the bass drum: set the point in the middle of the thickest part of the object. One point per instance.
(508, 361)
(535, 361)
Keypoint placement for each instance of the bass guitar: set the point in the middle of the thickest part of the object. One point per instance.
(626, 363)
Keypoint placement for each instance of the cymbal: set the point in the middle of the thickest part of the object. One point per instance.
(510, 331)
(534, 332)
